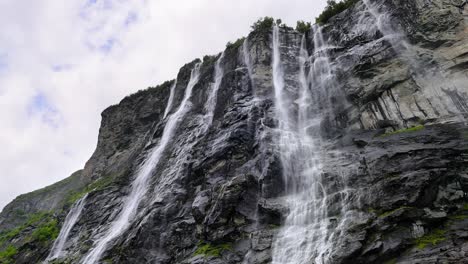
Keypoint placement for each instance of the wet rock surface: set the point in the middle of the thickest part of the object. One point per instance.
(399, 148)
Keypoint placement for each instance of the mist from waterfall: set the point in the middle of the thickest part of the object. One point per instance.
(72, 217)
(139, 186)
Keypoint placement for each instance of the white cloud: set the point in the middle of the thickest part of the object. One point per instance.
(63, 62)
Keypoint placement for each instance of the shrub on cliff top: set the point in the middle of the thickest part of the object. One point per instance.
(303, 27)
(333, 8)
(263, 24)
(236, 44)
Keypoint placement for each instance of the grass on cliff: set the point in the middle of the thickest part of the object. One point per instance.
(387, 213)
(33, 220)
(209, 250)
(333, 8)
(236, 44)
(303, 27)
(404, 130)
(45, 229)
(97, 185)
(6, 256)
(433, 238)
(46, 232)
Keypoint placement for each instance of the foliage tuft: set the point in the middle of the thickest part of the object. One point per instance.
(333, 8)
(433, 238)
(264, 24)
(209, 250)
(303, 27)
(7, 255)
(404, 130)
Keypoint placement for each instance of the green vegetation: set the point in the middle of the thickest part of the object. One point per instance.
(433, 238)
(208, 250)
(33, 220)
(303, 27)
(458, 217)
(46, 232)
(391, 261)
(263, 24)
(97, 185)
(404, 130)
(462, 214)
(392, 175)
(387, 213)
(6, 256)
(333, 8)
(209, 59)
(236, 44)
(144, 92)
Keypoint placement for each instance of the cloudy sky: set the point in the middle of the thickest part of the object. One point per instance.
(63, 62)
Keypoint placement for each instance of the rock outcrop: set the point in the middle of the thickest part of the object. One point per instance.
(394, 154)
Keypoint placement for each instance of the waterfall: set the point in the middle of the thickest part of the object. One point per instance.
(139, 186)
(212, 97)
(171, 99)
(425, 75)
(303, 236)
(70, 221)
(319, 209)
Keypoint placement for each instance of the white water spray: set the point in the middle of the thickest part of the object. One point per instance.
(313, 219)
(139, 186)
(213, 96)
(170, 101)
(70, 221)
(303, 236)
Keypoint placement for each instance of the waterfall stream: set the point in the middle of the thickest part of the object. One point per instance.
(140, 183)
(319, 208)
(212, 97)
(427, 76)
(170, 101)
(70, 221)
(303, 236)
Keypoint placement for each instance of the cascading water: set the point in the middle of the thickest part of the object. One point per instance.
(303, 237)
(139, 186)
(170, 101)
(70, 221)
(425, 75)
(212, 97)
(319, 208)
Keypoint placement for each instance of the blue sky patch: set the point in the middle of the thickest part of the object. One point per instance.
(107, 46)
(40, 106)
(61, 67)
(132, 17)
(3, 62)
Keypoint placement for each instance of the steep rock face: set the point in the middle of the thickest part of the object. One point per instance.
(215, 195)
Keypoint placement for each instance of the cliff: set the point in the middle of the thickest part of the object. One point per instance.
(346, 144)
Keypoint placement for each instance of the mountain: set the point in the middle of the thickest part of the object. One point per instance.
(346, 142)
